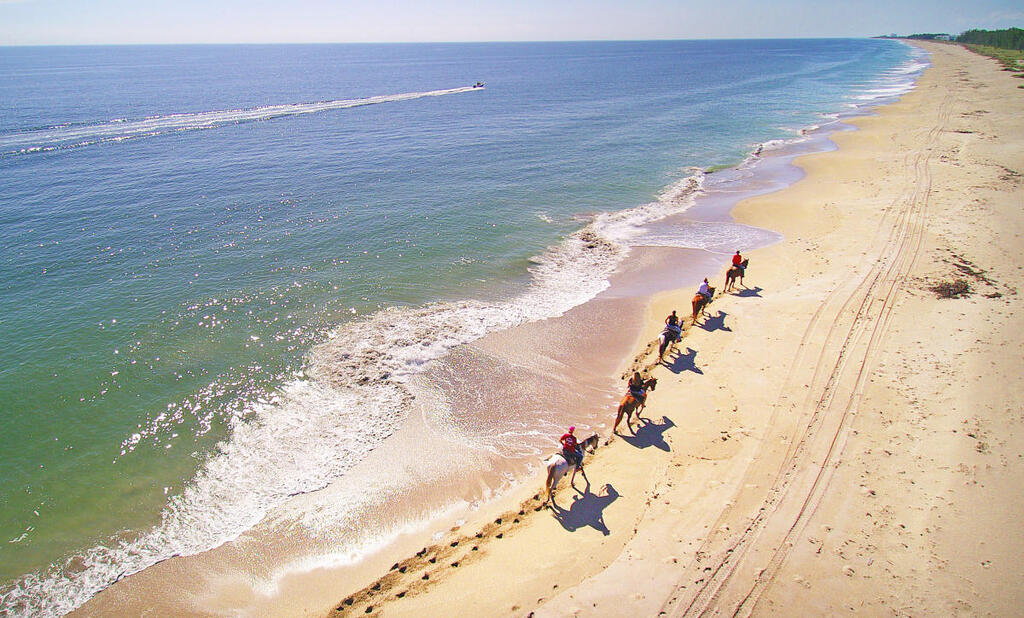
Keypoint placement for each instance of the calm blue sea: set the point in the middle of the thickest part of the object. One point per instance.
(204, 248)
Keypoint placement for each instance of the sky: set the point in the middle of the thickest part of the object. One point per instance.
(90, 22)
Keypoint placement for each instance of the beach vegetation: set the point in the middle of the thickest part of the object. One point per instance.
(1006, 46)
(1011, 59)
(955, 288)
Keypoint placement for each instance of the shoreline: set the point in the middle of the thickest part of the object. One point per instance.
(821, 423)
(643, 260)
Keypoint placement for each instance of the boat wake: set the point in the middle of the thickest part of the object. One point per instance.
(77, 135)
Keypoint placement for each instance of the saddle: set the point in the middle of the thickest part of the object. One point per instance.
(574, 458)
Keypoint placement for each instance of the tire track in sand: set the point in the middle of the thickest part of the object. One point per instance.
(834, 393)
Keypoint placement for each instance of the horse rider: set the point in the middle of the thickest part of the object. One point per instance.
(737, 261)
(672, 326)
(571, 448)
(703, 290)
(636, 388)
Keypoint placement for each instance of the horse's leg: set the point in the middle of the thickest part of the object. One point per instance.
(618, 418)
(550, 483)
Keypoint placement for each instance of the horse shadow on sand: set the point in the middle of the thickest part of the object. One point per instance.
(648, 433)
(716, 322)
(683, 362)
(586, 510)
(754, 292)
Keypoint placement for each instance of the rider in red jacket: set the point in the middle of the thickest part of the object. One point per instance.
(570, 448)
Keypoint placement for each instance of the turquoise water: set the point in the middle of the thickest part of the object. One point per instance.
(181, 226)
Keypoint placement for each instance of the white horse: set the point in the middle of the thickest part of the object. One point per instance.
(558, 466)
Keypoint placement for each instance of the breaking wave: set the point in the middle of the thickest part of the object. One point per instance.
(352, 395)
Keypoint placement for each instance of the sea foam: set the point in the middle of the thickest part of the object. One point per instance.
(353, 394)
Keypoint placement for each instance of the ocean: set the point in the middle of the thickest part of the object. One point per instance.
(231, 273)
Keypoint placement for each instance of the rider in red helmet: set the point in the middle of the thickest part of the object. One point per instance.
(571, 448)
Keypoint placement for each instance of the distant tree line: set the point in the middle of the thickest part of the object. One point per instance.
(1011, 38)
(931, 36)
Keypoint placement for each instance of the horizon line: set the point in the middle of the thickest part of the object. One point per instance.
(468, 42)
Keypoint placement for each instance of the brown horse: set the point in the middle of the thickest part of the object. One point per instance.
(733, 273)
(630, 404)
(699, 302)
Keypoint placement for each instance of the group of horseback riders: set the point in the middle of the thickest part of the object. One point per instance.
(673, 327)
(571, 450)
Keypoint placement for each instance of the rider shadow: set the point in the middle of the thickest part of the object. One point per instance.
(684, 362)
(650, 433)
(587, 509)
(716, 322)
(750, 292)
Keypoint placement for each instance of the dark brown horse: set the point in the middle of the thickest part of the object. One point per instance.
(699, 302)
(630, 404)
(733, 273)
(668, 336)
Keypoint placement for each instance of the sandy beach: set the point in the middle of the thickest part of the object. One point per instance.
(832, 437)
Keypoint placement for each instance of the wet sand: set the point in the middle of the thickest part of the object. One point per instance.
(833, 436)
(814, 394)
